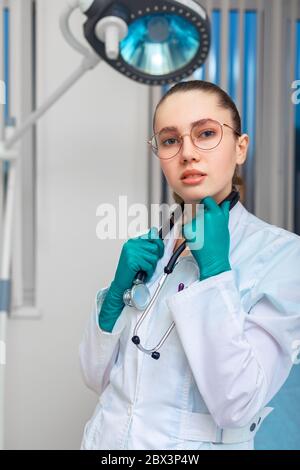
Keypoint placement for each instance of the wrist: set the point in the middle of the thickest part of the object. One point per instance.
(205, 273)
(111, 308)
(106, 325)
(116, 290)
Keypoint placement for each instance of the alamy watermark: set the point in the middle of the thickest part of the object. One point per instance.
(296, 94)
(2, 353)
(2, 92)
(129, 221)
(296, 351)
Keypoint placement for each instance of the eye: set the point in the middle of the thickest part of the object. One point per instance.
(207, 133)
(171, 140)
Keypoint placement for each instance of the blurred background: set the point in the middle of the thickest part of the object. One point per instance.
(89, 149)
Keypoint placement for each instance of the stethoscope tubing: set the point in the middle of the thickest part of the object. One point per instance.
(168, 269)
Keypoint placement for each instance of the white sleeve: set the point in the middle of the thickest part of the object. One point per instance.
(239, 359)
(98, 349)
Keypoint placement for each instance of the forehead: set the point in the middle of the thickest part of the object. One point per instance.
(182, 108)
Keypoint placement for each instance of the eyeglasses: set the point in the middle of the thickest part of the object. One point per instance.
(206, 134)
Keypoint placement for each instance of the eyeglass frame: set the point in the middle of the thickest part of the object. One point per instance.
(190, 134)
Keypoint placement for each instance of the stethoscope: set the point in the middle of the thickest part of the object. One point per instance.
(139, 295)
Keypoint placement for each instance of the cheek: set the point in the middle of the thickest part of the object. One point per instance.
(169, 169)
(222, 163)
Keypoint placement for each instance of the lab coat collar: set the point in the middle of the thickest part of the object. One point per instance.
(237, 216)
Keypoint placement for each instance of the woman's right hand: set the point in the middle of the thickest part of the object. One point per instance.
(138, 254)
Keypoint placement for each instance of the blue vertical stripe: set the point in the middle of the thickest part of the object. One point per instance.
(250, 72)
(6, 75)
(199, 74)
(297, 135)
(234, 60)
(249, 99)
(216, 47)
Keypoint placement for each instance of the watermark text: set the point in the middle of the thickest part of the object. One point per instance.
(2, 92)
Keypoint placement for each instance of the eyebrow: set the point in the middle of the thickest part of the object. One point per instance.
(174, 128)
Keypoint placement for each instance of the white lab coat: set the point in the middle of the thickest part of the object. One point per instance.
(231, 350)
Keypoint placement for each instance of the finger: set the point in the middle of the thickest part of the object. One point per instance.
(145, 246)
(154, 245)
(146, 268)
(161, 247)
(210, 204)
(225, 208)
(151, 234)
(147, 265)
(145, 236)
(155, 238)
(142, 255)
(152, 248)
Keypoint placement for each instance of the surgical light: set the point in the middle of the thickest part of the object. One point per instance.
(151, 41)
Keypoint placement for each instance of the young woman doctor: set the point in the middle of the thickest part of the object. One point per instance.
(236, 320)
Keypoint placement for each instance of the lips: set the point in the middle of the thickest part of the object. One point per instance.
(192, 174)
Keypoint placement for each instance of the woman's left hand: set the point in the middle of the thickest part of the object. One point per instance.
(213, 254)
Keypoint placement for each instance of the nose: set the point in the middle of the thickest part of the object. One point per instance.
(188, 150)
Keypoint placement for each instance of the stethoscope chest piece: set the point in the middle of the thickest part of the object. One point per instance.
(138, 296)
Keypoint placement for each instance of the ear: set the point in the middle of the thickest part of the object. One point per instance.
(241, 149)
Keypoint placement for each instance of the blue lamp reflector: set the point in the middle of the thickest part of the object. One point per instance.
(160, 44)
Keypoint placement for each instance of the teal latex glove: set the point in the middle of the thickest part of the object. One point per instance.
(138, 254)
(213, 257)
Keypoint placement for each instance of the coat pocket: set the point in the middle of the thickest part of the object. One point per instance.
(92, 430)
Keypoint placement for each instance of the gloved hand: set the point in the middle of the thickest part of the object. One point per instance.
(213, 257)
(138, 254)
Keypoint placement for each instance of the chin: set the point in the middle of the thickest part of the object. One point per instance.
(194, 198)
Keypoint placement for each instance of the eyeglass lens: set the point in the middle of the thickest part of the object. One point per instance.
(206, 135)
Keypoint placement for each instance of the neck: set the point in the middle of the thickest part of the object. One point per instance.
(219, 197)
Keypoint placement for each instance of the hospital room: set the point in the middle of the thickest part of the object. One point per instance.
(149, 226)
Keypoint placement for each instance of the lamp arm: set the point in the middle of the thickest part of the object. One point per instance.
(90, 60)
(87, 63)
(65, 26)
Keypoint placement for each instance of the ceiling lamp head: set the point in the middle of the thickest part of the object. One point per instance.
(151, 41)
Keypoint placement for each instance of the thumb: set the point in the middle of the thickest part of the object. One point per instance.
(153, 234)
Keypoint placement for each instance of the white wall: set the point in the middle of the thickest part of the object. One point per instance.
(82, 161)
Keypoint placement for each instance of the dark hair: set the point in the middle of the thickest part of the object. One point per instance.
(224, 101)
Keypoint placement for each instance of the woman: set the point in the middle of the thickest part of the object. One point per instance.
(236, 320)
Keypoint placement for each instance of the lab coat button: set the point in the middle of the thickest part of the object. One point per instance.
(252, 427)
(129, 410)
